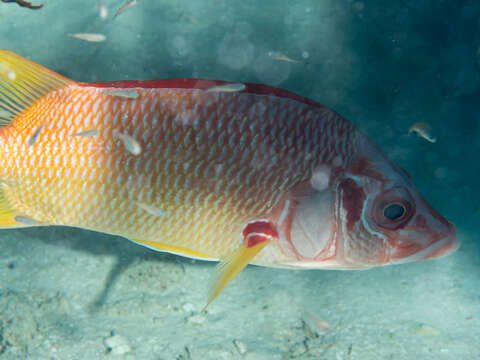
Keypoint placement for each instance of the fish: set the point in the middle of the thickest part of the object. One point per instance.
(90, 132)
(282, 57)
(262, 176)
(232, 87)
(129, 94)
(422, 130)
(90, 37)
(131, 145)
(128, 4)
(35, 135)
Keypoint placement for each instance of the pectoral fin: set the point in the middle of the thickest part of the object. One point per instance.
(257, 235)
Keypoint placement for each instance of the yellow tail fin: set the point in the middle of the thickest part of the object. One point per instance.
(22, 82)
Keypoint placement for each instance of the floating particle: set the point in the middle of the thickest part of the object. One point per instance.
(25, 220)
(128, 94)
(128, 4)
(440, 173)
(130, 143)
(422, 130)
(91, 132)
(102, 9)
(91, 37)
(35, 135)
(235, 87)
(152, 210)
(4, 68)
(282, 57)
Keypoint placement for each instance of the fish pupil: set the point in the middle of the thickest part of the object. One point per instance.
(394, 211)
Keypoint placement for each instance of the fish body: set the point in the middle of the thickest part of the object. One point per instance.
(211, 171)
(91, 37)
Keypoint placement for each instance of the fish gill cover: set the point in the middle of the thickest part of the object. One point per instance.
(405, 73)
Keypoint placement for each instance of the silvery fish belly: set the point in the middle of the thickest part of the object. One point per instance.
(199, 168)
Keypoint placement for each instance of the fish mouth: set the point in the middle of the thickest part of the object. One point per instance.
(437, 249)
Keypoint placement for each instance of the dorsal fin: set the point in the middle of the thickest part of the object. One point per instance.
(22, 82)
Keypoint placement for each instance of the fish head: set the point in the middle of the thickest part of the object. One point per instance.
(370, 214)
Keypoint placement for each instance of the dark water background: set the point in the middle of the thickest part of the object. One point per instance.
(383, 65)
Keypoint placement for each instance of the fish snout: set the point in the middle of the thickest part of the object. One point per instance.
(442, 245)
(425, 240)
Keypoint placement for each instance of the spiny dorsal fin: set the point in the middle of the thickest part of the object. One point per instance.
(22, 82)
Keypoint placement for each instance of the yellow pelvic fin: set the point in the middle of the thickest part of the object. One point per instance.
(22, 82)
(7, 214)
(173, 249)
(230, 267)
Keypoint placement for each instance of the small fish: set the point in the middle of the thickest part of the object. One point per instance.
(25, 220)
(232, 87)
(128, 94)
(282, 57)
(91, 37)
(315, 323)
(129, 142)
(102, 9)
(92, 132)
(422, 130)
(266, 176)
(35, 135)
(152, 210)
(128, 4)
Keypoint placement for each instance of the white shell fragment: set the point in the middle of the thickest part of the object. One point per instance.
(92, 132)
(152, 210)
(89, 37)
(128, 94)
(132, 145)
(35, 135)
(422, 130)
(227, 88)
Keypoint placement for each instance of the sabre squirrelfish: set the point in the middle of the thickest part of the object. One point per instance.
(259, 175)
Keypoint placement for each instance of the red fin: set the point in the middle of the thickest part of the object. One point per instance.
(204, 84)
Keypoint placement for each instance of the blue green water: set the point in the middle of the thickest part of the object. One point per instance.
(73, 294)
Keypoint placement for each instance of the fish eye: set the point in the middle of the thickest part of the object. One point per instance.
(393, 208)
(394, 211)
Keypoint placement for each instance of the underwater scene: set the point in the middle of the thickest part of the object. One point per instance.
(220, 179)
